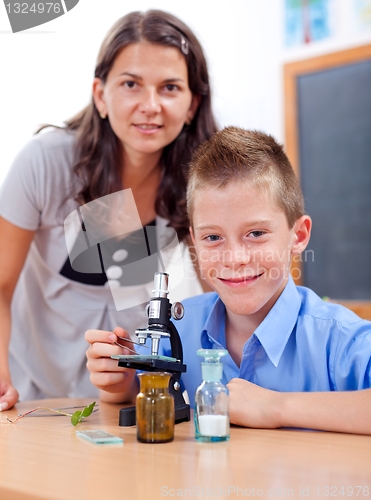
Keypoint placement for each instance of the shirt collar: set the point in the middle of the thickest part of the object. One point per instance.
(214, 327)
(275, 330)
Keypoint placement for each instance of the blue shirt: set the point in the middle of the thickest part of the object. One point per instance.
(303, 344)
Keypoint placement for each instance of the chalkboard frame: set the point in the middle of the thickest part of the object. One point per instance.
(292, 71)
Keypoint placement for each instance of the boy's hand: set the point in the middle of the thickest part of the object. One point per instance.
(104, 371)
(8, 395)
(253, 406)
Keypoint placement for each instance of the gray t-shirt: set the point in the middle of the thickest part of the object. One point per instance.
(50, 313)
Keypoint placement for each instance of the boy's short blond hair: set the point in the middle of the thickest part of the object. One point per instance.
(235, 154)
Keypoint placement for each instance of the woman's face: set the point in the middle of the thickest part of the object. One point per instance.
(146, 97)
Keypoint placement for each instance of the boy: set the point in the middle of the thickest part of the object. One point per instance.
(294, 360)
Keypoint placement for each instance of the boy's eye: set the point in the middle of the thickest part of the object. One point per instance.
(256, 234)
(212, 237)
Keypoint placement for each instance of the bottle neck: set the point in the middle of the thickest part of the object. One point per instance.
(155, 383)
(212, 372)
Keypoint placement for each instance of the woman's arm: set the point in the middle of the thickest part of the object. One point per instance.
(343, 411)
(116, 384)
(14, 245)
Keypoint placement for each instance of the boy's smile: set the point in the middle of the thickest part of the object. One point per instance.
(244, 245)
(239, 281)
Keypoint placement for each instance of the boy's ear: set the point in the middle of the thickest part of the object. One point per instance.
(302, 229)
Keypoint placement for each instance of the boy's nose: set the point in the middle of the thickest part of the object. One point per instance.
(236, 254)
(150, 102)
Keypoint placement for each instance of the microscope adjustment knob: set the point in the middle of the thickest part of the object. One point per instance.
(147, 309)
(177, 310)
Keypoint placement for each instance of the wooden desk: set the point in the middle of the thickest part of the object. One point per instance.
(41, 458)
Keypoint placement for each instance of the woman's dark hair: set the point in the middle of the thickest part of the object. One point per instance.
(98, 153)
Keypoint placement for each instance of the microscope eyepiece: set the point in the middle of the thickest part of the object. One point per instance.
(161, 285)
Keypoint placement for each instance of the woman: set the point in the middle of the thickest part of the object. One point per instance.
(150, 109)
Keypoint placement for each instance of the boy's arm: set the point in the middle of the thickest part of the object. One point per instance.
(116, 384)
(345, 411)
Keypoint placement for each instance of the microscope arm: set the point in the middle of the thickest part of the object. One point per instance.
(175, 343)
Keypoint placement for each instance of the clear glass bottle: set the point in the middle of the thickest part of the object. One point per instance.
(212, 399)
(155, 413)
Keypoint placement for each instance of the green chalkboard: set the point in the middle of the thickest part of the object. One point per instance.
(332, 155)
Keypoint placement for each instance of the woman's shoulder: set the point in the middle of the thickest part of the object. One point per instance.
(49, 149)
(53, 138)
(43, 163)
(47, 142)
(39, 175)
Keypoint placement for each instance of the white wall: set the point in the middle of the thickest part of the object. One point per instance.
(46, 72)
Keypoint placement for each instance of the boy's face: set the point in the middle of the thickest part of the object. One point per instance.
(244, 245)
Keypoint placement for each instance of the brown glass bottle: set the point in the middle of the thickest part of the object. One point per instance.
(155, 408)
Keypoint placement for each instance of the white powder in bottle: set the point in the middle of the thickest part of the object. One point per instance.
(213, 425)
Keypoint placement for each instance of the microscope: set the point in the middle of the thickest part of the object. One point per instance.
(159, 311)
